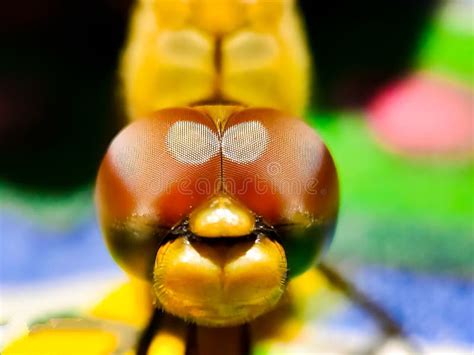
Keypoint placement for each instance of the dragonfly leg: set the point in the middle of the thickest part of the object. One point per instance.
(391, 329)
(149, 332)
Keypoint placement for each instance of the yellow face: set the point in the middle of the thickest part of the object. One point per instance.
(225, 276)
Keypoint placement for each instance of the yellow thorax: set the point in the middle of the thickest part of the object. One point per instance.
(183, 52)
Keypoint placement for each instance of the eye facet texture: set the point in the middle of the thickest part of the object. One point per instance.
(244, 142)
(192, 143)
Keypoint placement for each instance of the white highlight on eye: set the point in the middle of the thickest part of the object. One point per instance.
(191, 142)
(245, 142)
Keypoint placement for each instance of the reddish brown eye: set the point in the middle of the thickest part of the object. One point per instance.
(280, 169)
(150, 179)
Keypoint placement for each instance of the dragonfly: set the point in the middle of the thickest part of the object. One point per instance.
(216, 198)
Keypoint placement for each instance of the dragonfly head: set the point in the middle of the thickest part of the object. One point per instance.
(217, 207)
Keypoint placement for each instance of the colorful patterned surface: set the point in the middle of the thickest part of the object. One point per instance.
(434, 309)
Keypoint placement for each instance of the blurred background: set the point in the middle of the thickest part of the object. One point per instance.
(392, 97)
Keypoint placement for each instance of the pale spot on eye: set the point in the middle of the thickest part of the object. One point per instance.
(191, 143)
(245, 142)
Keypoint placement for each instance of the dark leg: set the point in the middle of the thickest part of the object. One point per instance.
(218, 341)
(148, 333)
(388, 325)
(191, 340)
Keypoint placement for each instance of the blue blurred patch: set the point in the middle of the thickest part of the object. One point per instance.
(32, 252)
(431, 308)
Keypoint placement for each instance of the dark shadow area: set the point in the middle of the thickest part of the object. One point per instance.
(357, 46)
(57, 107)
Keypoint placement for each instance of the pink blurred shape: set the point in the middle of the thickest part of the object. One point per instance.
(424, 115)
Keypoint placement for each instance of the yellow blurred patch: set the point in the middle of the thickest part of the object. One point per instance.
(130, 303)
(61, 342)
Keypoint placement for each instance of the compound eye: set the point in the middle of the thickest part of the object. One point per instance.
(281, 170)
(154, 173)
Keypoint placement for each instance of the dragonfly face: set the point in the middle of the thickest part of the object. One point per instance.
(217, 206)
